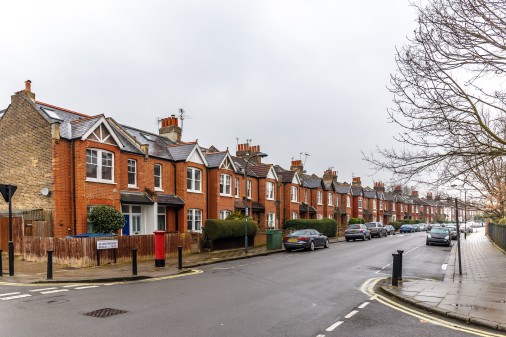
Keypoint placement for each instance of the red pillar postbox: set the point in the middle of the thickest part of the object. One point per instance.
(159, 248)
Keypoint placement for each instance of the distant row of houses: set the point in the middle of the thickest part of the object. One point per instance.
(159, 182)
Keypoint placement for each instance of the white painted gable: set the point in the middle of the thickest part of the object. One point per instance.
(296, 179)
(196, 157)
(101, 132)
(272, 174)
(227, 164)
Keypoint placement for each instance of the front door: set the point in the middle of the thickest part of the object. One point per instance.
(126, 227)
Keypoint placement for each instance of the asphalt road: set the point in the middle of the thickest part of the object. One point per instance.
(287, 294)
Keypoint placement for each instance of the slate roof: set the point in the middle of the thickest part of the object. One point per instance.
(240, 163)
(356, 191)
(342, 189)
(129, 146)
(137, 198)
(305, 208)
(169, 200)
(214, 159)
(261, 171)
(181, 152)
(80, 126)
(390, 197)
(313, 182)
(370, 194)
(157, 144)
(63, 116)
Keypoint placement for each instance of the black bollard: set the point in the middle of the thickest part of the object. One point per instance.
(400, 263)
(49, 264)
(1, 270)
(11, 258)
(134, 261)
(180, 257)
(395, 270)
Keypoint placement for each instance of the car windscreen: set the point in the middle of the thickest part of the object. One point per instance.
(300, 233)
(353, 227)
(439, 230)
(370, 225)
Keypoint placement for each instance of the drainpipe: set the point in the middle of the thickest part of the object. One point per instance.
(73, 178)
(175, 184)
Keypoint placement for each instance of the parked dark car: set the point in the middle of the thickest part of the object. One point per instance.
(390, 229)
(357, 231)
(305, 238)
(453, 231)
(439, 236)
(407, 229)
(377, 229)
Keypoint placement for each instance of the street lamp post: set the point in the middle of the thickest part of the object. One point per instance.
(259, 155)
(458, 236)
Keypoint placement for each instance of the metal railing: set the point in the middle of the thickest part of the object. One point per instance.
(497, 233)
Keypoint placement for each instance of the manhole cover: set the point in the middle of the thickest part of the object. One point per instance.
(105, 312)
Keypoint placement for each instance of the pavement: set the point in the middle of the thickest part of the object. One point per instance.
(478, 296)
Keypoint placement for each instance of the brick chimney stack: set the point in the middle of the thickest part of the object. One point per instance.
(356, 182)
(170, 129)
(379, 186)
(414, 194)
(27, 92)
(297, 166)
(246, 151)
(429, 195)
(330, 175)
(398, 189)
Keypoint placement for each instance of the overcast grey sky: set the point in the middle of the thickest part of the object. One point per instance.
(295, 76)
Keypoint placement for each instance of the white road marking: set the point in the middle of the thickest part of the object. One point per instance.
(54, 291)
(444, 266)
(71, 286)
(320, 336)
(14, 297)
(333, 326)
(351, 314)
(87, 287)
(10, 294)
(44, 289)
(363, 305)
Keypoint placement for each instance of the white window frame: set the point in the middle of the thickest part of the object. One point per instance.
(237, 187)
(270, 190)
(319, 216)
(294, 194)
(224, 213)
(348, 201)
(161, 212)
(100, 164)
(337, 200)
(192, 179)
(248, 188)
(381, 205)
(374, 204)
(194, 220)
(319, 197)
(155, 176)
(331, 216)
(270, 220)
(359, 202)
(305, 196)
(132, 172)
(225, 185)
(294, 215)
(329, 199)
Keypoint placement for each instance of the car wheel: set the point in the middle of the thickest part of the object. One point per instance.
(326, 245)
(311, 246)
(288, 250)
(347, 240)
(427, 243)
(369, 238)
(449, 244)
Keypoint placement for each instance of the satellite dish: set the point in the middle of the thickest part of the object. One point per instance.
(44, 191)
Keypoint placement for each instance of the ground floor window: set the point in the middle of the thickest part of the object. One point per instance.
(270, 220)
(194, 220)
(319, 216)
(224, 214)
(88, 212)
(161, 218)
(331, 216)
(294, 215)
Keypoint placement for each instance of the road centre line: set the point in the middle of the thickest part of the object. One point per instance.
(351, 314)
(54, 291)
(14, 297)
(43, 289)
(333, 326)
(10, 294)
(363, 305)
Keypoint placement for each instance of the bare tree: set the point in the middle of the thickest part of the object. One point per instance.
(448, 94)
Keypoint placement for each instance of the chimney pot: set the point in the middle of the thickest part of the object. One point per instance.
(28, 86)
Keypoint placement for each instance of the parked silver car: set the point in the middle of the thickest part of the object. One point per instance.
(377, 229)
(357, 231)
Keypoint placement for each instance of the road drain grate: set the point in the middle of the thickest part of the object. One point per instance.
(105, 312)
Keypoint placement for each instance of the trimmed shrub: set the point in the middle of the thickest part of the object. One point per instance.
(106, 220)
(327, 227)
(354, 221)
(502, 221)
(397, 225)
(220, 229)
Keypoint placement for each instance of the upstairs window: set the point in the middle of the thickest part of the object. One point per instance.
(132, 173)
(359, 202)
(249, 189)
(348, 201)
(225, 185)
(305, 196)
(99, 165)
(329, 199)
(270, 190)
(236, 187)
(374, 204)
(381, 205)
(337, 201)
(158, 177)
(193, 179)
(320, 197)
(293, 195)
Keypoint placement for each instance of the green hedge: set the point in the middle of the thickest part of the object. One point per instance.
(354, 221)
(219, 229)
(327, 227)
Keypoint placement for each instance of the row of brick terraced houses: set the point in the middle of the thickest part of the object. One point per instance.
(159, 182)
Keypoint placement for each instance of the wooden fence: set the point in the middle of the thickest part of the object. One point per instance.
(82, 252)
(17, 234)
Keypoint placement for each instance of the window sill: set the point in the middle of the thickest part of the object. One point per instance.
(193, 191)
(100, 181)
(226, 195)
(158, 189)
(133, 187)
